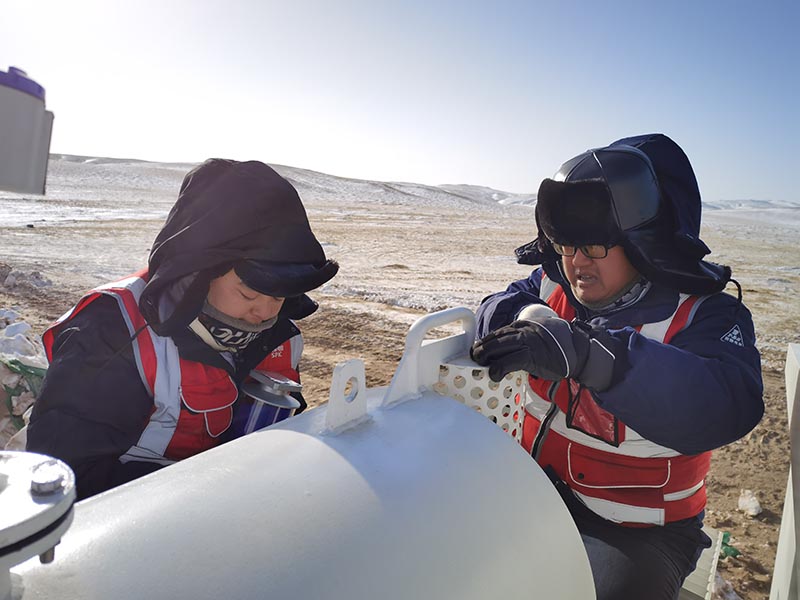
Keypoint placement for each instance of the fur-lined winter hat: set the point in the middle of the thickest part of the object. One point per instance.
(575, 214)
(615, 195)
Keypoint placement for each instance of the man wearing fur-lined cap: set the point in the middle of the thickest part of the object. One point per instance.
(640, 363)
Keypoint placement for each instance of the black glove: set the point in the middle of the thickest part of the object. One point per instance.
(550, 348)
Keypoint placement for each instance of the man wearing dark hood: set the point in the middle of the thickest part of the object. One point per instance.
(640, 364)
(147, 371)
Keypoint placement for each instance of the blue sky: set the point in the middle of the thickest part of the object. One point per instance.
(496, 94)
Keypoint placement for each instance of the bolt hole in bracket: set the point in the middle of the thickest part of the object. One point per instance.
(347, 403)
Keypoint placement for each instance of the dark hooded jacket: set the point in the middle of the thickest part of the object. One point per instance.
(228, 211)
(93, 406)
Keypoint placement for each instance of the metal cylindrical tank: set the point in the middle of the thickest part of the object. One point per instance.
(421, 497)
(25, 128)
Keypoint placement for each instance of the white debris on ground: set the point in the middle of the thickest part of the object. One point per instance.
(22, 366)
(749, 504)
(722, 590)
(16, 280)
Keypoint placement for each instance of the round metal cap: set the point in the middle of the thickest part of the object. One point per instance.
(48, 477)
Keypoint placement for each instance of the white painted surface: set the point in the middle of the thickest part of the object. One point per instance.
(37, 493)
(785, 578)
(425, 498)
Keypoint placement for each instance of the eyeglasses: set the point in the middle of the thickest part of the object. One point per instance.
(589, 250)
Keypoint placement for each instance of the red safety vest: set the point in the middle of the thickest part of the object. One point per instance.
(192, 401)
(617, 473)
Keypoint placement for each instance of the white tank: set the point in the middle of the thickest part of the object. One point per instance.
(383, 493)
(25, 128)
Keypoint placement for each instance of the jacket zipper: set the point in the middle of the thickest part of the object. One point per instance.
(544, 428)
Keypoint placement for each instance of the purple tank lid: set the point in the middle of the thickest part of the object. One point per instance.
(18, 79)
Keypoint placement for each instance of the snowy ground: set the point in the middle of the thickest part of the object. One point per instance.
(402, 244)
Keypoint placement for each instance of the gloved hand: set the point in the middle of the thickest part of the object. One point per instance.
(550, 348)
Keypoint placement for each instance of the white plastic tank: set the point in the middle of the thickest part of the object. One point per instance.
(25, 128)
(391, 493)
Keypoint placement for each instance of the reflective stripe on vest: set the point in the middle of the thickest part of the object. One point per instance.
(634, 482)
(126, 292)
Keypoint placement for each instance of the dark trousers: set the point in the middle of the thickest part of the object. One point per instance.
(637, 563)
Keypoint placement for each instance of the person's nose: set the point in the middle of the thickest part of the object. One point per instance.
(266, 308)
(580, 259)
